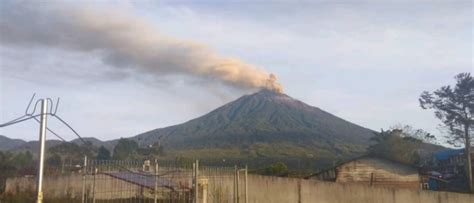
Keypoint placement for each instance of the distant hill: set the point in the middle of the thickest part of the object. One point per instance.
(8, 143)
(33, 146)
(109, 145)
(18, 145)
(263, 127)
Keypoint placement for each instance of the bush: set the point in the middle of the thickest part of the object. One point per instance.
(278, 169)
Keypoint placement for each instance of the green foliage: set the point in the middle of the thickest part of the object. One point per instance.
(12, 164)
(278, 169)
(455, 108)
(151, 151)
(126, 149)
(401, 145)
(73, 152)
(22, 159)
(408, 131)
(103, 153)
(54, 160)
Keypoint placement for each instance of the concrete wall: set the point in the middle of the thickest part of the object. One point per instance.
(273, 189)
(261, 189)
(71, 187)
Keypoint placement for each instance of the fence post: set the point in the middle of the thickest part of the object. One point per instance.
(235, 182)
(84, 171)
(42, 142)
(197, 182)
(246, 185)
(156, 182)
(93, 184)
(194, 182)
(238, 184)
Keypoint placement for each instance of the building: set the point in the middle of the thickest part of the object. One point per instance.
(451, 161)
(451, 165)
(372, 171)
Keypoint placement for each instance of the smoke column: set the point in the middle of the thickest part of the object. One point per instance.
(123, 40)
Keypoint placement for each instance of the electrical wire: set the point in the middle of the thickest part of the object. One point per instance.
(30, 115)
(69, 126)
(18, 121)
(52, 132)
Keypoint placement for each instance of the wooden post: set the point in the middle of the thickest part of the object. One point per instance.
(371, 179)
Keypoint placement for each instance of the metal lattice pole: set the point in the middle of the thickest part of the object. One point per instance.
(42, 141)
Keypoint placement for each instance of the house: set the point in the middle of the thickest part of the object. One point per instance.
(372, 171)
(451, 164)
(451, 161)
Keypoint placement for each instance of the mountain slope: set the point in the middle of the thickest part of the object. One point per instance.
(8, 143)
(265, 120)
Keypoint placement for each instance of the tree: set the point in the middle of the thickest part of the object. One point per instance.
(396, 145)
(419, 134)
(54, 160)
(455, 108)
(103, 153)
(125, 149)
(279, 169)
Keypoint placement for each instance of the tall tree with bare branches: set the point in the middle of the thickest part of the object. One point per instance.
(454, 106)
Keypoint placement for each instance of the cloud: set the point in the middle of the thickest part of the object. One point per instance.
(123, 41)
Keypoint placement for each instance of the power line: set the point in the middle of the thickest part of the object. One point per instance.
(69, 126)
(51, 131)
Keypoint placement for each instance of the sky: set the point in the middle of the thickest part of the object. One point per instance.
(126, 67)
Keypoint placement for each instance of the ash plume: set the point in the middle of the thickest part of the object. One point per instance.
(123, 41)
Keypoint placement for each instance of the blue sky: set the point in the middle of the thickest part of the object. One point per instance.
(365, 61)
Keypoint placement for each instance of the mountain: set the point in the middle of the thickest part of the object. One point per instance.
(33, 146)
(8, 143)
(265, 126)
(96, 142)
(18, 145)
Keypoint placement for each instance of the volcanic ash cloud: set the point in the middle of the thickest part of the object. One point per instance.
(124, 40)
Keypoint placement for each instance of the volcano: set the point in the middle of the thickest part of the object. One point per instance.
(266, 126)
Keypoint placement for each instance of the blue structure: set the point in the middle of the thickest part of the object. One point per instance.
(446, 154)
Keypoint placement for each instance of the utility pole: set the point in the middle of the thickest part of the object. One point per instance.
(42, 134)
(42, 141)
